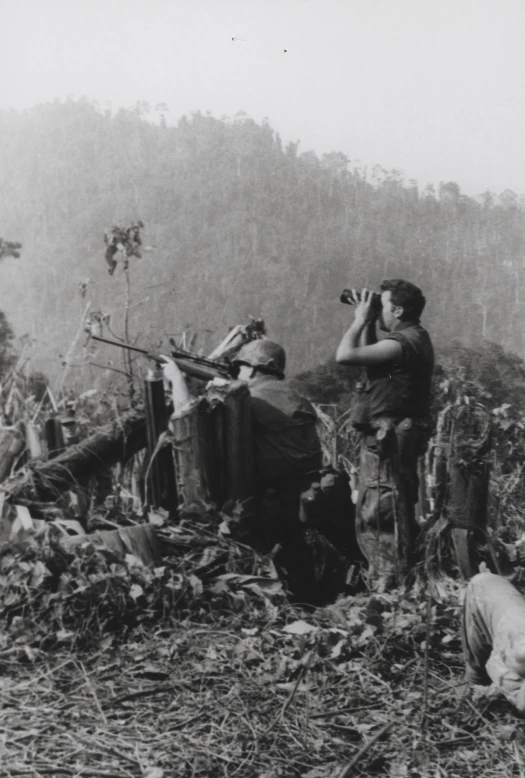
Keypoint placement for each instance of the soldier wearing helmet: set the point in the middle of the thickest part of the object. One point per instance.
(263, 355)
(287, 447)
(288, 459)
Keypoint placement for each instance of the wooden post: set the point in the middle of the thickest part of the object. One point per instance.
(436, 462)
(54, 437)
(161, 488)
(422, 506)
(469, 470)
(11, 445)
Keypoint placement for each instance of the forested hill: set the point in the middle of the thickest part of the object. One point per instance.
(239, 225)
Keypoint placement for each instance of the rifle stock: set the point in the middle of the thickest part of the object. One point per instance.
(192, 365)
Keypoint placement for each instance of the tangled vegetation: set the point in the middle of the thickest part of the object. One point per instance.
(202, 666)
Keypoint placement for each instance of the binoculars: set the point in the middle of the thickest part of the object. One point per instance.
(351, 298)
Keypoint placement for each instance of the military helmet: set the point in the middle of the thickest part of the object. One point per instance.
(262, 353)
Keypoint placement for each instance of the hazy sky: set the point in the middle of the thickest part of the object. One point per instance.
(432, 87)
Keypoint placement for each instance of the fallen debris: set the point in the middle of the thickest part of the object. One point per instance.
(223, 688)
(140, 541)
(115, 442)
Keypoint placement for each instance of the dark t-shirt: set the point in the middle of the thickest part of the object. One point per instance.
(284, 430)
(402, 389)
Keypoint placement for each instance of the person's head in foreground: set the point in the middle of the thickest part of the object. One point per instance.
(260, 358)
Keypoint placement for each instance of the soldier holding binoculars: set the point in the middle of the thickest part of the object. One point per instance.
(391, 409)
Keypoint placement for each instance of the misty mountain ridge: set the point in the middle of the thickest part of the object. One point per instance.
(236, 225)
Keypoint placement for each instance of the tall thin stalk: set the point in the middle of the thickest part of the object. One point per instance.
(127, 354)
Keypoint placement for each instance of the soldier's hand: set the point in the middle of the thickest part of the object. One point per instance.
(364, 311)
(170, 368)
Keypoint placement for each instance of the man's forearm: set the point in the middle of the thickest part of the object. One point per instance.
(358, 334)
(368, 335)
(351, 340)
(360, 346)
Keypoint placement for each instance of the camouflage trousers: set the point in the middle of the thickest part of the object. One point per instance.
(386, 526)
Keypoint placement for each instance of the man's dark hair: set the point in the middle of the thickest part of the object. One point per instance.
(407, 295)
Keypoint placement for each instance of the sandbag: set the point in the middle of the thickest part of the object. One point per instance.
(212, 449)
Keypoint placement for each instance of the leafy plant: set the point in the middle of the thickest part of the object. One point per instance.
(125, 239)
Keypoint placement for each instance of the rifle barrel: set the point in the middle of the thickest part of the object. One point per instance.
(122, 345)
(198, 367)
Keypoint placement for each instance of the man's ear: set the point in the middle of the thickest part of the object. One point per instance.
(398, 312)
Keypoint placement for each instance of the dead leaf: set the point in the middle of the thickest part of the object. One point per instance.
(467, 755)
(40, 571)
(290, 685)
(156, 519)
(268, 585)
(256, 589)
(152, 672)
(506, 731)
(300, 627)
(106, 643)
(366, 634)
(64, 635)
(336, 650)
(398, 769)
(133, 561)
(136, 591)
(196, 585)
(153, 772)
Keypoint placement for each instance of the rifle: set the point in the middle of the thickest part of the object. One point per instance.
(197, 367)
